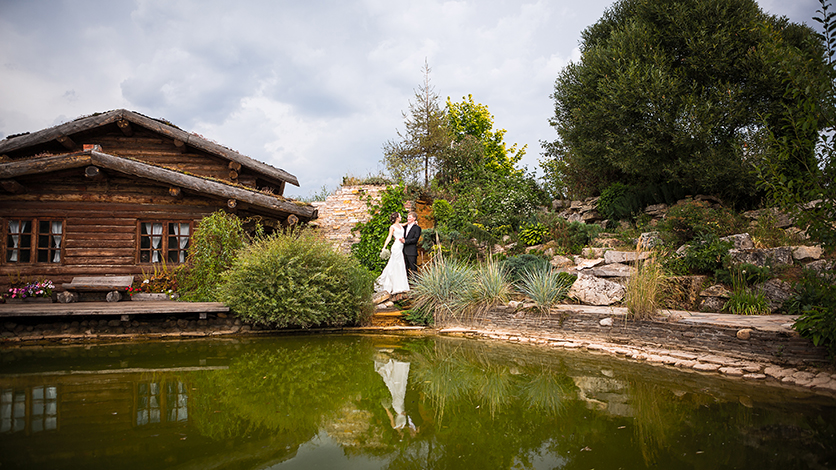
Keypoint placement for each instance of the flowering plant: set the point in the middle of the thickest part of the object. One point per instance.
(35, 289)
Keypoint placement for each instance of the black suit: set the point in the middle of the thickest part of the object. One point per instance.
(410, 249)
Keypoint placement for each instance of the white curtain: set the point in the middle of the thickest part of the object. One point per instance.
(183, 234)
(14, 230)
(56, 237)
(156, 230)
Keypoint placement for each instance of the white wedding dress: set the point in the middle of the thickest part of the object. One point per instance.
(393, 278)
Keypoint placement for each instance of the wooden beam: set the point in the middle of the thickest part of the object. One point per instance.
(233, 175)
(93, 172)
(125, 127)
(232, 203)
(181, 146)
(235, 166)
(66, 142)
(13, 186)
(44, 165)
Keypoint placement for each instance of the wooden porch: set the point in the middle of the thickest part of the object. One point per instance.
(124, 310)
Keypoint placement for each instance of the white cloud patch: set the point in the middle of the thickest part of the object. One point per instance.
(315, 88)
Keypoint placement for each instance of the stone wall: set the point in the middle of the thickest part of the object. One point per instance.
(751, 344)
(341, 211)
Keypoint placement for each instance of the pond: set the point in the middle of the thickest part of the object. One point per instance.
(358, 402)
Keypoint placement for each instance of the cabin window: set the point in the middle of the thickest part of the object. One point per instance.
(34, 241)
(163, 241)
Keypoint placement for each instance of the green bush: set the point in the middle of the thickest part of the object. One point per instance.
(815, 302)
(442, 212)
(216, 241)
(373, 232)
(297, 279)
(746, 274)
(610, 203)
(442, 287)
(533, 233)
(689, 219)
(706, 254)
(515, 266)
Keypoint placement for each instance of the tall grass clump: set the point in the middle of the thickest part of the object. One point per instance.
(297, 279)
(744, 299)
(442, 288)
(216, 241)
(645, 288)
(545, 286)
(490, 286)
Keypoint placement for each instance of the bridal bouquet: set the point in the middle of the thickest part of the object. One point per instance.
(385, 253)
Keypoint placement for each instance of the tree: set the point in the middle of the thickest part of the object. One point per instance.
(675, 92)
(425, 139)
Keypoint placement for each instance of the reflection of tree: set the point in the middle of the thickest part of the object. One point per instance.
(290, 387)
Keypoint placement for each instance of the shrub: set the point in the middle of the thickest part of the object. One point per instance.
(216, 241)
(533, 233)
(610, 204)
(373, 232)
(545, 286)
(442, 212)
(648, 283)
(297, 279)
(689, 219)
(747, 274)
(515, 266)
(815, 302)
(706, 254)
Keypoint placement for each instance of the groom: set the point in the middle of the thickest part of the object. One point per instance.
(412, 232)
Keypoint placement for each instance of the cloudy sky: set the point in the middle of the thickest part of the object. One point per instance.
(313, 87)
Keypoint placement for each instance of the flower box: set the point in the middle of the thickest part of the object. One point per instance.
(30, 300)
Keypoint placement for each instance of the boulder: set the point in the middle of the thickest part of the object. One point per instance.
(613, 256)
(717, 290)
(806, 253)
(712, 304)
(380, 297)
(776, 292)
(742, 241)
(824, 268)
(591, 290)
(590, 252)
(656, 210)
(583, 263)
(649, 240)
(611, 270)
(780, 256)
(561, 262)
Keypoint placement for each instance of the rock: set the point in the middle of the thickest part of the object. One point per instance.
(593, 253)
(560, 204)
(514, 304)
(824, 268)
(595, 291)
(587, 263)
(613, 256)
(656, 210)
(776, 292)
(67, 297)
(611, 270)
(712, 304)
(717, 290)
(796, 233)
(682, 250)
(561, 262)
(806, 253)
(380, 297)
(607, 242)
(744, 334)
(780, 219)
(649, 240)
(606, 321)
(742, 241)
(780, 256)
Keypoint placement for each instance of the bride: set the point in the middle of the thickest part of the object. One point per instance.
(393, 278)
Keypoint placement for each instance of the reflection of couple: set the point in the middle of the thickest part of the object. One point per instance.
(395, 374)
(403, 261)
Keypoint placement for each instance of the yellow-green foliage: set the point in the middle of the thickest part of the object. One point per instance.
(645, 288)
(297, 279)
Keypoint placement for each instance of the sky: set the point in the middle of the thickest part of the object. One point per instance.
(313, 87)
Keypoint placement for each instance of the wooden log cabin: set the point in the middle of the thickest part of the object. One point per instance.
(118, 192)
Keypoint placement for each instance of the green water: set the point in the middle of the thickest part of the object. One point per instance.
(358, 402)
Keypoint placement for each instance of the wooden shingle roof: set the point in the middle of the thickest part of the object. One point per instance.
(120, 116)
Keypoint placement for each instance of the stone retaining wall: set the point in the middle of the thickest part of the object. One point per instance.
(341, 211)
(777, 347)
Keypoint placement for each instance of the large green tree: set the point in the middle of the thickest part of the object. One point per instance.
(675, 92)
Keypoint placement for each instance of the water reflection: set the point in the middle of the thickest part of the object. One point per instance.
(390, 402)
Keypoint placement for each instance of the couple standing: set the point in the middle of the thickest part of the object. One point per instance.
(403, 261)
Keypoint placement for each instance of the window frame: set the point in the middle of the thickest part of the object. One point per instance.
(164, 249)
(35, 236)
